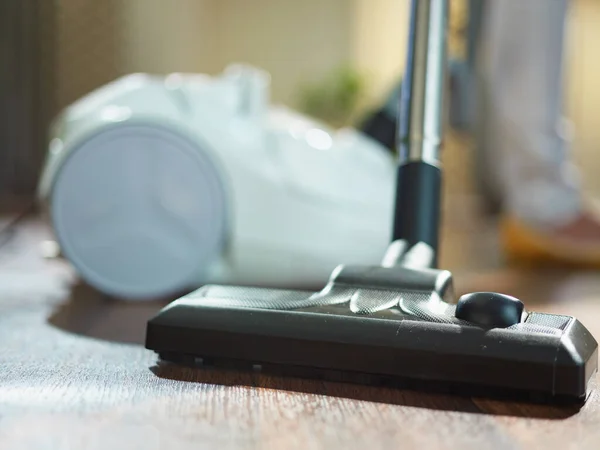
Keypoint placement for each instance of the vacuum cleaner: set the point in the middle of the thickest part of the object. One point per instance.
(398, 322)
(157, 185)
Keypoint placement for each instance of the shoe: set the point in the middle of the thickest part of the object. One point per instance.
(575, 245)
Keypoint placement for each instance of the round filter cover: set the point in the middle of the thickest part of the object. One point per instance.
(139, 210)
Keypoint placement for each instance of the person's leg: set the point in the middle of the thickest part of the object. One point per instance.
(522, 68)
(522, 72)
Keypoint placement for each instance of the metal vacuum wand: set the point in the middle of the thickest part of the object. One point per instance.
(417, 210)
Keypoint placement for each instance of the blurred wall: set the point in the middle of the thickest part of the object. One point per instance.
(27, 93)
(88, 36)
(379, 42)
(169, 36)
(297, 42)
(294, 40)
(583, 88)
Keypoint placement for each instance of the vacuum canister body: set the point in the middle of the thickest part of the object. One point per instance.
(155, 185)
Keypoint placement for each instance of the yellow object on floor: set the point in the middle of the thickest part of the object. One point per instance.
(525, 245)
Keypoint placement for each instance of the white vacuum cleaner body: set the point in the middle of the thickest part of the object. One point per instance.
(154, 185)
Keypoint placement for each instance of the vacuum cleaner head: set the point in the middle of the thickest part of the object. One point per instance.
(390, 323)
(395, 322)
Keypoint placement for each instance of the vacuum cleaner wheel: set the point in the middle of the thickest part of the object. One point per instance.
(139, 210)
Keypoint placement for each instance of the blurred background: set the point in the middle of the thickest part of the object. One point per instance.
(62, 49)
(335, 60)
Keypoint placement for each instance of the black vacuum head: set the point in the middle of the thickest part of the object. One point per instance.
(393, 324)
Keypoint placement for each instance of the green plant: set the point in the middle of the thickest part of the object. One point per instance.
(336, 98)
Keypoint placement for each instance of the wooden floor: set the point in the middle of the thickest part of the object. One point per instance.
(74, 373)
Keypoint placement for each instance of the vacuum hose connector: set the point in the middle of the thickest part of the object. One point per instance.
(418, 194)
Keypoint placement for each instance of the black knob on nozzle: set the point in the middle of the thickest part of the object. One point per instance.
(489, 309)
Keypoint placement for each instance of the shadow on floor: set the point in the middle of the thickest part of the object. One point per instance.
(431, 397)
(90, 313)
